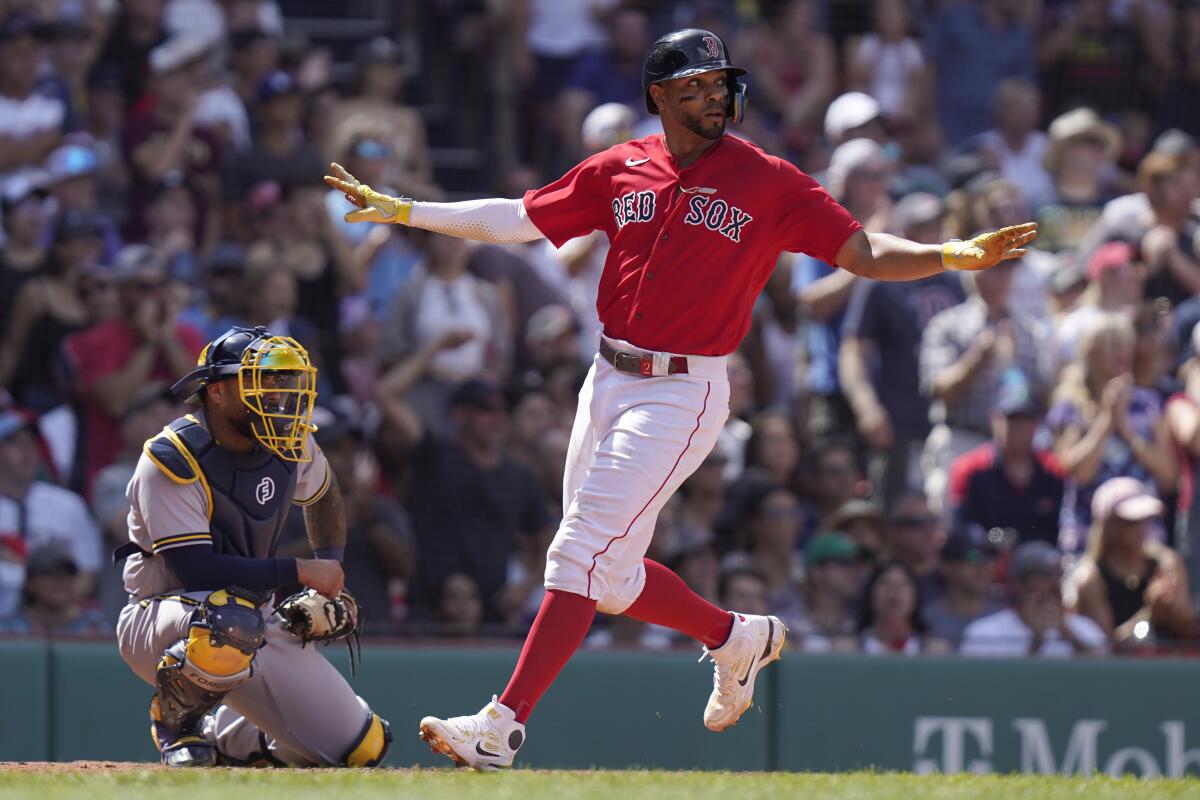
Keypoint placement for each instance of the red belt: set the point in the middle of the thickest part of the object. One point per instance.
(640, 363)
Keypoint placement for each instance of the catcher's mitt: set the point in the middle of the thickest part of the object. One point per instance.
(313, 617)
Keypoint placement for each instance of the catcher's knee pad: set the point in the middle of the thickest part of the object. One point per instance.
(371, 746)
(215, 658)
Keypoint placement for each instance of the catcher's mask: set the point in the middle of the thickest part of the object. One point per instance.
(276, 382)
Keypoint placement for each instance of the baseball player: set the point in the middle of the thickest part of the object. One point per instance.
(234, 684)
(696, 221)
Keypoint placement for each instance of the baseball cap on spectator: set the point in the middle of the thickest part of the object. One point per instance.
(75, 223)
(135, 260)
(178, 52)
(22, 186)
(917, 209)
(1034, 558)
(50, 558)
(962, 546)
(277, 84)
(608, 124)
(226, 257)
(1081, 123)
(851, 110)
(379, 50)
(1126, 499)
(1174, 142)
(833, 546)
(70, 161)
(332, 426)
(1067, 275)
(1110, 255)
(853, 510)
(148, 395)
(12, 422)
(478, 393)
(1015, 397)
(549, 323)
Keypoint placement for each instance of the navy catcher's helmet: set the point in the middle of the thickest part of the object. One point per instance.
(689, 52)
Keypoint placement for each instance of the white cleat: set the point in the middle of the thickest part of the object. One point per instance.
(753, 643)
(484, 741)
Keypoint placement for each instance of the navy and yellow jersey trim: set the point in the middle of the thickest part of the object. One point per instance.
(180, 540)
(320, 492)
(178, 598)
(172, 456)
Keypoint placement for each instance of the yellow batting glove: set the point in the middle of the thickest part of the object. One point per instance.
(988, 249)
(372, 206)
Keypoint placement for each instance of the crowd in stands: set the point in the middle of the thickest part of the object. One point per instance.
(1003, 463)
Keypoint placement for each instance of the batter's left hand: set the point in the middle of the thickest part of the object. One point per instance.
(988, 249)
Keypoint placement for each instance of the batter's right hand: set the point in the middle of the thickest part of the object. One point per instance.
(372, 206)
(323, 574)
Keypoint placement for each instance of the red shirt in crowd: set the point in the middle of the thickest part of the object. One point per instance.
(95, 354)
(692, 248)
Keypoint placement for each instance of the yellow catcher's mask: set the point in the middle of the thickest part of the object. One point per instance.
(276, 382)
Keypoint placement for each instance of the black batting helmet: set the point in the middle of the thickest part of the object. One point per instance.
(689, 52)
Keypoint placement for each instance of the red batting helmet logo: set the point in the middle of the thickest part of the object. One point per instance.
(714, 47)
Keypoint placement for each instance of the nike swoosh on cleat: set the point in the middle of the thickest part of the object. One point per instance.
(634, 162)
(770, 638)
(479, 749)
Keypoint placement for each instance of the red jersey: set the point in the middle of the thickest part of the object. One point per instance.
(692, 248)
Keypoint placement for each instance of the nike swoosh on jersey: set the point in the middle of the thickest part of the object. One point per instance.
(634, 162)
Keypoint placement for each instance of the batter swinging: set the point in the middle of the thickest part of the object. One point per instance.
(696, 220)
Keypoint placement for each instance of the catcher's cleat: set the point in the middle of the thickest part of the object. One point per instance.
(484, 741)
(181, 748)
(753, 643)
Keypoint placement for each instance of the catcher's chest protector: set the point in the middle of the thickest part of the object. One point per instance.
(251, 493)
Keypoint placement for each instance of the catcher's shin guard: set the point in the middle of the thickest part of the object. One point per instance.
(372, 744)
(195, 673)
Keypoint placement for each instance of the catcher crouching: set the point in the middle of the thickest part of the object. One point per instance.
(234, 682)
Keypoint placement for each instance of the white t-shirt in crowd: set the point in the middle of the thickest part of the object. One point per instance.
(1003, 634)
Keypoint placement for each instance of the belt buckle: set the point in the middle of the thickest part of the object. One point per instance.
(627, 362)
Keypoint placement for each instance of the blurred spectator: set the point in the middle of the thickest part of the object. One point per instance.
(889, 617)
(269, 298)
(34, 513)
(375, 102)
(880, 342)
(1081, 160)
(1015, 142)
(608, 74)
(31, 123)
(1104, 427)
(794, 64)
(152, 408)
(445, 326)
(773, 345)
(1114, 287)
(477, 537)
(965, 352)
(772, 459)
(1153, 349)
(1096, 53)
(887, 63)
(745, 589)
(253, 55)
(280, 152)
(138, 29)
(834, 478)
(70, 177)
(1135, 589)
(52, 601)
(702, 496)
(162, 139)
(1183, 419)
(113, 359)
(104, 123)
(46, 310)
(967, 75)
(1008, 482)
(861, 521)
(23, 253)
(1034, 623)
(1176, 110)
(967, 571)
(1168, 248)
(858, 180)
(772, 524)
(216, 307)
(73, 45)
(915, 538)
(170, 230)
(834, 575)
(459, 610)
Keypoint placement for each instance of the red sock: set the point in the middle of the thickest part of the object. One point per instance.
(561, 623)
(668, 601)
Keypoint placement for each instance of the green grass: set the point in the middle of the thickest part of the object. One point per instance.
(221, 784)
